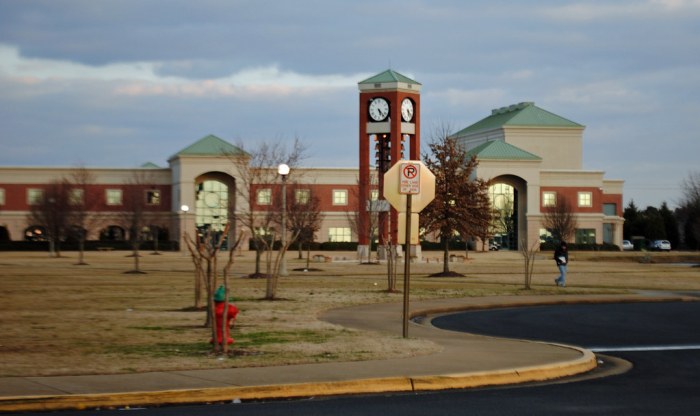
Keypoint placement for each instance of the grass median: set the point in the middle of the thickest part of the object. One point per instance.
(57, 318)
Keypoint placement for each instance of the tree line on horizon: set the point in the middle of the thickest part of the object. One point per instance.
(681, 227)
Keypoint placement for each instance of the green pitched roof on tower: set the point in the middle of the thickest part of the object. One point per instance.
(525, 114)
(389, 76)
(210, 146)
(500, 150)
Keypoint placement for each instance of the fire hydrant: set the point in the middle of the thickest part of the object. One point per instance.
(219, 304)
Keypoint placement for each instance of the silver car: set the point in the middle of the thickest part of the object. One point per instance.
(627, 245)
(661, 245)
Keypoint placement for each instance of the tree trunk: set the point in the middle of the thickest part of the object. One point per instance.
(308, 255)
(446, 255)
(81, 249)
(135, 251)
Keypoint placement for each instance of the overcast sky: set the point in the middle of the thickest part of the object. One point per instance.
(119, 83)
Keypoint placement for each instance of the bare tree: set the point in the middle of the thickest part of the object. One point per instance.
(52, 212)
(560, 220)
(461, 203)
(226, 273)
(689, 210)
(258, 173)
(529, 255)
(83, 200)
(138, 211)
(304, 215)
(204, 250)
(373, 206)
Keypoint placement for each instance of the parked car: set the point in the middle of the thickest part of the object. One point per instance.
(660, 245)
(494, 246)
(627, 245)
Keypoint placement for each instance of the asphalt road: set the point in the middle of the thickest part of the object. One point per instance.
(661, 340)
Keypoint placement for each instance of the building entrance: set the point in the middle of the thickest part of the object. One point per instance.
(504, 202)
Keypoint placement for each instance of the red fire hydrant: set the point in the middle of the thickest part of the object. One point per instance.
(219, 304)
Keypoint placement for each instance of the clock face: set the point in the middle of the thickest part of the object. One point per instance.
(406, 109)
(211, 199)
(378, 109)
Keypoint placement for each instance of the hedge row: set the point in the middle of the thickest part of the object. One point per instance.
(582, 247)
(89, 246)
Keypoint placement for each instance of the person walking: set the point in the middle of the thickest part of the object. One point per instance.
(561, 257)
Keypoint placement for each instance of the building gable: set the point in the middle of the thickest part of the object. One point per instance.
(499, 150)
(210, 146)
(525, 114)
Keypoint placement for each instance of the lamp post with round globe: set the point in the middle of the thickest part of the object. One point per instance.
(185, 209)
(283, 171)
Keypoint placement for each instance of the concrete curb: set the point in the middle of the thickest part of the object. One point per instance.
(586, 363)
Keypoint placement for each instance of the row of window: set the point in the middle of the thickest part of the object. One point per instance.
(335, 234)
(302, 196)
(77, 196)
(585, 199)
(581, 236)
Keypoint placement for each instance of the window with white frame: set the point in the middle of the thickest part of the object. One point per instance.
(340, 197)
(34, 196)
(264, 196)
(374, 195)
(339, 234)
(153, 197)
(2, 196)
(113, 196)
(585, 236)
(76, 196)
(610, 209)
(585, 199)
(549, 199)
(302, 196)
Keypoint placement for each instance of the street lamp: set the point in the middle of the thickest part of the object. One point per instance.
(185, 209)
(283, 171)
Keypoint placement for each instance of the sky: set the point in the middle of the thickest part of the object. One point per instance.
(118, 83)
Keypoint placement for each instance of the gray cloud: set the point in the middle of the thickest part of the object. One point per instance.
(118, 83)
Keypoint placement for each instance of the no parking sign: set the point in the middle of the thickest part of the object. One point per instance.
(410, 178)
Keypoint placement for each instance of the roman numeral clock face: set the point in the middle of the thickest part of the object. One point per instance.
(378, 109)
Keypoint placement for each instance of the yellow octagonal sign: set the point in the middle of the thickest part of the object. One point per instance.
(409, 177)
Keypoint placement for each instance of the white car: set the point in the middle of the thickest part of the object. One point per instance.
(660, 245)
(627, 245)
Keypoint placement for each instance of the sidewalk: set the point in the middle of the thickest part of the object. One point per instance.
(464, 361)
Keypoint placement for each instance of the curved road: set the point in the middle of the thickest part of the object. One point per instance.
(661, 340)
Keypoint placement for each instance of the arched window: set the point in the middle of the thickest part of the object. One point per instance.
(504, 205)
(212, 205)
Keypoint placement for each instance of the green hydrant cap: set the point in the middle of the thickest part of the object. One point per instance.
(220, 294)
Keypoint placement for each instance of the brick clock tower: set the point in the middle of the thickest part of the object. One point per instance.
(389, 132)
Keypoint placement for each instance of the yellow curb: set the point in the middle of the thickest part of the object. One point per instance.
(585, 363)
(207, 395)
(364, 386)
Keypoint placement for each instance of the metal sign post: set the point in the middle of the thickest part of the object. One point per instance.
(408, 186)
(407, 268)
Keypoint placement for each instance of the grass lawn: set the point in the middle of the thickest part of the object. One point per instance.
(58, 318)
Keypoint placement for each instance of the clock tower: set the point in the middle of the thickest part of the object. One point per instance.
(389, 132)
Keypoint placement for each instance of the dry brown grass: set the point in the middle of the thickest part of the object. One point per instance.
(60, 318)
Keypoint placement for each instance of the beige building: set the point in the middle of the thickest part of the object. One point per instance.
(532, 157)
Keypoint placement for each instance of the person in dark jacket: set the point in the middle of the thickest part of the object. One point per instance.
(561, 256)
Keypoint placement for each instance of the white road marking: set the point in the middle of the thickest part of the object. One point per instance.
(647, 348)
